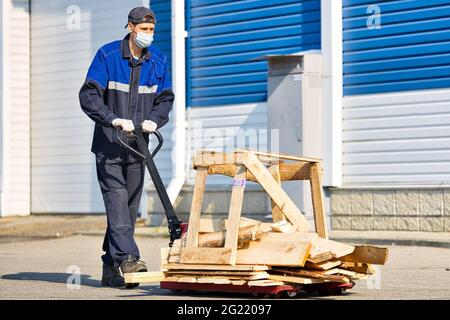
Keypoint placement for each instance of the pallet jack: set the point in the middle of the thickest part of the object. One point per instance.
(178, 229)
(175, 225)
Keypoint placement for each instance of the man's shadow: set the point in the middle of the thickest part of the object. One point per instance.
(55, 277)
(85, 280)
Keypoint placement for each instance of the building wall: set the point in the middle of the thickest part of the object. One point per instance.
(2, 99)
(396, 150)
(64, 38)
(389, 209)
(225, 37)
(396, 110)
(16, 106)
(397, 138)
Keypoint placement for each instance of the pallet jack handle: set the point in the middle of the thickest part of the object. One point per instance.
(176, 228)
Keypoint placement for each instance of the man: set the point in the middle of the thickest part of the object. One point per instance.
(128, 84)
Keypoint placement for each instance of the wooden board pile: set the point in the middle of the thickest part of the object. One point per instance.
(269, 254)
(240, 251)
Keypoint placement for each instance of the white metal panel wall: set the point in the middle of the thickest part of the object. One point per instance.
(63, 170)
(2, 47)
(224, 128)
(19, 133)
(397, 138)
(16, 154)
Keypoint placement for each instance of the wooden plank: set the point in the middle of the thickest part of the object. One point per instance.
(282, 156)
(180, 266)
(210, 157)
(217, 239)
(318, 202)
(164, 257)
(337, 249)
(275, 253)
(198, 276)
(215, 272)
(249, 275)
(365, 268)
(209, 225)
(175, 259)
(215, 280)
(238, 282)
(266, 226)
(282, 227)
(300, 280)
(243, 222)
(196, 207)
(320, 257)
(264, 283)
(348, 273)
(257, 276)
(310, 274)
(222, 281)
(176, 247)
(293, 236)
(205, 158)
(171, 279)
(294, 171)
(277, 214)
(144, 277)
(367, 254)
(206, 255)
(187, 279)
(285, 171)
(277, 194)
(234, 214)
(326, 265)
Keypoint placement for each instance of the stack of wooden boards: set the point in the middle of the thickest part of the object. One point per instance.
(269, 254)
(245, 252)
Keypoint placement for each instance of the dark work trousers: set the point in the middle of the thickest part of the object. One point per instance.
(121, 185)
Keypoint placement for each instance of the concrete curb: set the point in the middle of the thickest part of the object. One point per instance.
(396, 242)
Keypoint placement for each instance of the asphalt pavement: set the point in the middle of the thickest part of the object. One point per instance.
(48, 269)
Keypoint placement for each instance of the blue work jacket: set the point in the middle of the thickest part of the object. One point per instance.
(119, 86)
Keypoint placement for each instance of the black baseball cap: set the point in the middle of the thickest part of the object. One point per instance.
(141, 15)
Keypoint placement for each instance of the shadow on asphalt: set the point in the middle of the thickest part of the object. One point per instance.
(85, 280)
(155, 290)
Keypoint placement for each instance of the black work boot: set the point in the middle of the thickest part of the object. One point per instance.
(131, 265)
(112, 276)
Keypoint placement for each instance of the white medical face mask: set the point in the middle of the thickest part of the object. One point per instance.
(143, 40)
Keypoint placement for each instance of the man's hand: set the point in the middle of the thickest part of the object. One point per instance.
(149, 126)
(124, 124)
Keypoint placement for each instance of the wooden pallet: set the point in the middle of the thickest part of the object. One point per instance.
(264, 168)
(244, 255)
